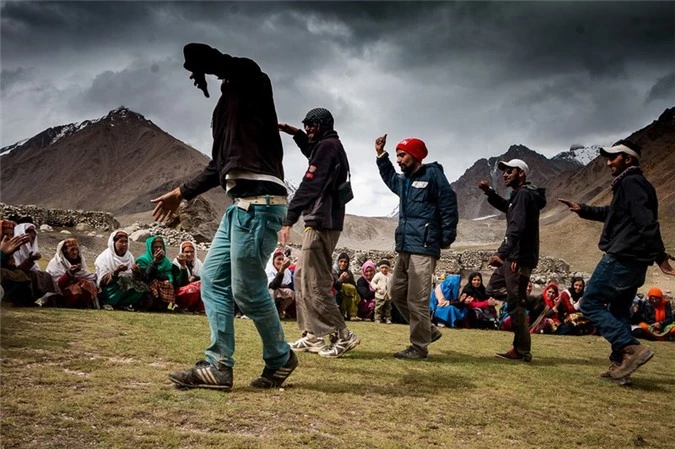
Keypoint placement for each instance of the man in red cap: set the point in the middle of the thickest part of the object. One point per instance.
(631, 241)
(427, 222)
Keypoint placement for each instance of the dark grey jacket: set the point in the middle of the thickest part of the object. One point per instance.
(631, 230)
(521, 243)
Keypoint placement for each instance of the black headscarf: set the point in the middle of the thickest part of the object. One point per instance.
(478, 293)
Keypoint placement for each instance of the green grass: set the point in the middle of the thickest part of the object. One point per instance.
(73, 379)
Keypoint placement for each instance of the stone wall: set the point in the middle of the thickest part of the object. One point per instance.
(548, 270)
(61, 217)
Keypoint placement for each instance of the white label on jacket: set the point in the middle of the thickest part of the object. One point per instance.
(420, 184)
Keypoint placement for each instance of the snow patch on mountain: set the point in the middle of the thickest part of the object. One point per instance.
(579, 153)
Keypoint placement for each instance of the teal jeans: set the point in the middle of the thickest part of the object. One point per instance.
(234, 271)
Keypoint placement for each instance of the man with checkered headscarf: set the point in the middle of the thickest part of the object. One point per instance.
(323, 210)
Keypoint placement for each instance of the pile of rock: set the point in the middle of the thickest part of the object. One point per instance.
(140, 232)
(548, 270)
(79, 219)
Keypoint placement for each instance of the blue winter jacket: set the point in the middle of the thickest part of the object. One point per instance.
(427, 212)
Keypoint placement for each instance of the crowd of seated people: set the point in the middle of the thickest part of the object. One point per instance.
(154, 283)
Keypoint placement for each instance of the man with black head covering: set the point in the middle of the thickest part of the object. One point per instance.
(631, 241)
(319, 202)
(247, 162)
(427, 223)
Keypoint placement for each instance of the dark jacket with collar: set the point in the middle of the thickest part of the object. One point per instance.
(521, 243)
(631, 231)
(245, 126)
(317, 199)
(427, 212)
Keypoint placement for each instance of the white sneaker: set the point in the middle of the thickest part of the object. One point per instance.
(305, 344)
(341, 346)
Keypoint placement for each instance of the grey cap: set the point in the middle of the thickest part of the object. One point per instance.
(321, 116)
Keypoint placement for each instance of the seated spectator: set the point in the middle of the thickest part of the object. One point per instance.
(549, 320)
(345, 286)
(42, 284)
(280, 282)
(481, 308)
(366, 309)
(572, 321)
(118, 276)
(69, 271)
(446, 308)
(188, 283)
(159, 274)
(15, 283)
(381, 283)
(655, 318)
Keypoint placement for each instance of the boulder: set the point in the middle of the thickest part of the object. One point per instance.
(46, 228)
(140, 235)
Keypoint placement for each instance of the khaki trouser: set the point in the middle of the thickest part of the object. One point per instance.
(317, 311)
(410, 293)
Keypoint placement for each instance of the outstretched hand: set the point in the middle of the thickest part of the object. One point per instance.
(288, 129)
(167, 205)
(484, 186)
(574, 207)
(666, 267)
(9, 245)
(200, 82)
(380, 142)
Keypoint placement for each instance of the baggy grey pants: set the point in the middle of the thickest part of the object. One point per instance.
(410, 293)
(317, 311)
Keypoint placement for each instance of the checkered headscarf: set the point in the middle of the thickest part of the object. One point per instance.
(321, 116)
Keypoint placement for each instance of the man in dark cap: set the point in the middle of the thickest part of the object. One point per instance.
(323, 211)
(631, 241)
(518, 254)
(427, 222)
(247, 162)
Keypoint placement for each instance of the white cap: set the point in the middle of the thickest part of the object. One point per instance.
(514, 163)
(621, 148)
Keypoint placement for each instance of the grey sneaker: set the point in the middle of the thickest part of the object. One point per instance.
(410, 353)
(341, 346)
(203, 375)
(274, 378)
(305, 344)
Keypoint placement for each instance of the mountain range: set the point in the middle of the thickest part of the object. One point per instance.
(119, 162)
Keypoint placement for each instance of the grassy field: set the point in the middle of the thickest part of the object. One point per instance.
(74, 379)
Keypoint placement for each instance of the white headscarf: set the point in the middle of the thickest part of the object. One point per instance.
(59, 265)
(272, 271)
(26, 249)
(108, 260)
(196, 265)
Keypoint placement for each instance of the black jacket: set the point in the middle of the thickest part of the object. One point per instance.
(245, 125)
(317, 198)
(427, 212)
(631, 231)
(521, 243)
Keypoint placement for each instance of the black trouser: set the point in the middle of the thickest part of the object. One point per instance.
(512, 286)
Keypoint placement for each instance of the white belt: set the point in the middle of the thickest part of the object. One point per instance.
(266, 200)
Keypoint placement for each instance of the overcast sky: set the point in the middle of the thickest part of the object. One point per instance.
(470, 78)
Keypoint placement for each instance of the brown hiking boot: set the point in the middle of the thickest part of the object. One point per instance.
(607, 375)
(634, 356)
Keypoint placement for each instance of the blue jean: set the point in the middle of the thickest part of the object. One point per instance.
(608, 298)
(234, 271)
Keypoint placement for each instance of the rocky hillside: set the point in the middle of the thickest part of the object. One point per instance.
(472, 203)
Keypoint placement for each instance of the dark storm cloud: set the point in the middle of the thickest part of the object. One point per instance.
(470, 78)
(663, 89)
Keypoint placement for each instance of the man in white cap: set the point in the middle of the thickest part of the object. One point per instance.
(631, 241)
(518, 254)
